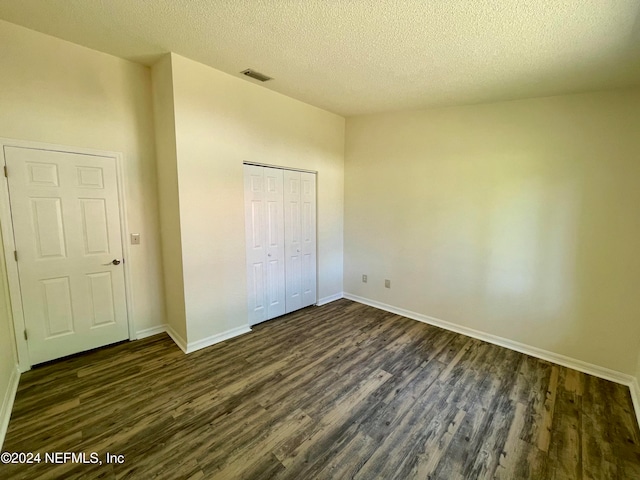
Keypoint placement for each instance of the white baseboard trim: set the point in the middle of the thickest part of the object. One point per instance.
(188, 347)
(7, 403)
(148, 332)
(329, 299)
(177, 338)
(220, 337)
(553, 357)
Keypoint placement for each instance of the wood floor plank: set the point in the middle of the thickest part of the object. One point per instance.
(510, 464)
(332, 420)
(349, 459)
(338, 391)
(546, 420)
(436, 446)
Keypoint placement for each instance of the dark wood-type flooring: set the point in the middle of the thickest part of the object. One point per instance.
(332, 392)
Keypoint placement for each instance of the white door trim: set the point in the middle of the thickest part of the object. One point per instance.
(6, 223)
(279, 167)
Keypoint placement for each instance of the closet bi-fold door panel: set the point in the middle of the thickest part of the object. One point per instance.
(293, 239)
(308, 237)
(300, 238)
(264, 220)
(275, 242)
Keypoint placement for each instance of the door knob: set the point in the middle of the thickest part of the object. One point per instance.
(115, 261)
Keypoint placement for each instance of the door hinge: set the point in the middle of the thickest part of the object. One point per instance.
(15, 255)
(26, 337)
(5, 172)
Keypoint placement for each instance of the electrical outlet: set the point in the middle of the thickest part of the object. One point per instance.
(364, 279)
(387, 283)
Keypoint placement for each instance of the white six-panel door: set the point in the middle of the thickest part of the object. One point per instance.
(66, 223)
(264, 221)
(300, 239)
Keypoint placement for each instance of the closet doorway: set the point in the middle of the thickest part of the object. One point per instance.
(280, 226)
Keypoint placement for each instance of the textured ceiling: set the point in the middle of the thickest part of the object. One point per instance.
(363, 56)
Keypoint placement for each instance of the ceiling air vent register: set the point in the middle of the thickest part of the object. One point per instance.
(256, 75)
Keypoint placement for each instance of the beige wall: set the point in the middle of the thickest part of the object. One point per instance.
(56, 92)
(168, 201)
(518, 219)
(222, 121)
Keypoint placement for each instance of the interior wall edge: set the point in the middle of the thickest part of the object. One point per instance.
(634, 388)
(7, 403)
(177, 339)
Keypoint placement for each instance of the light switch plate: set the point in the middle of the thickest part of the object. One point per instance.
(135, 239)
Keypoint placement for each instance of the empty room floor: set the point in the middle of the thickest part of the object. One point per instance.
(338, 391)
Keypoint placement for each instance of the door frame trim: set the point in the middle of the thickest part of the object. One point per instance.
(257, 164)
(6, 222)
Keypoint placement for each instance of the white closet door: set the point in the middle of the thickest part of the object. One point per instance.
(274, 242)
(308, 237)
(254, 230)
(293, 240)
(265, 242)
